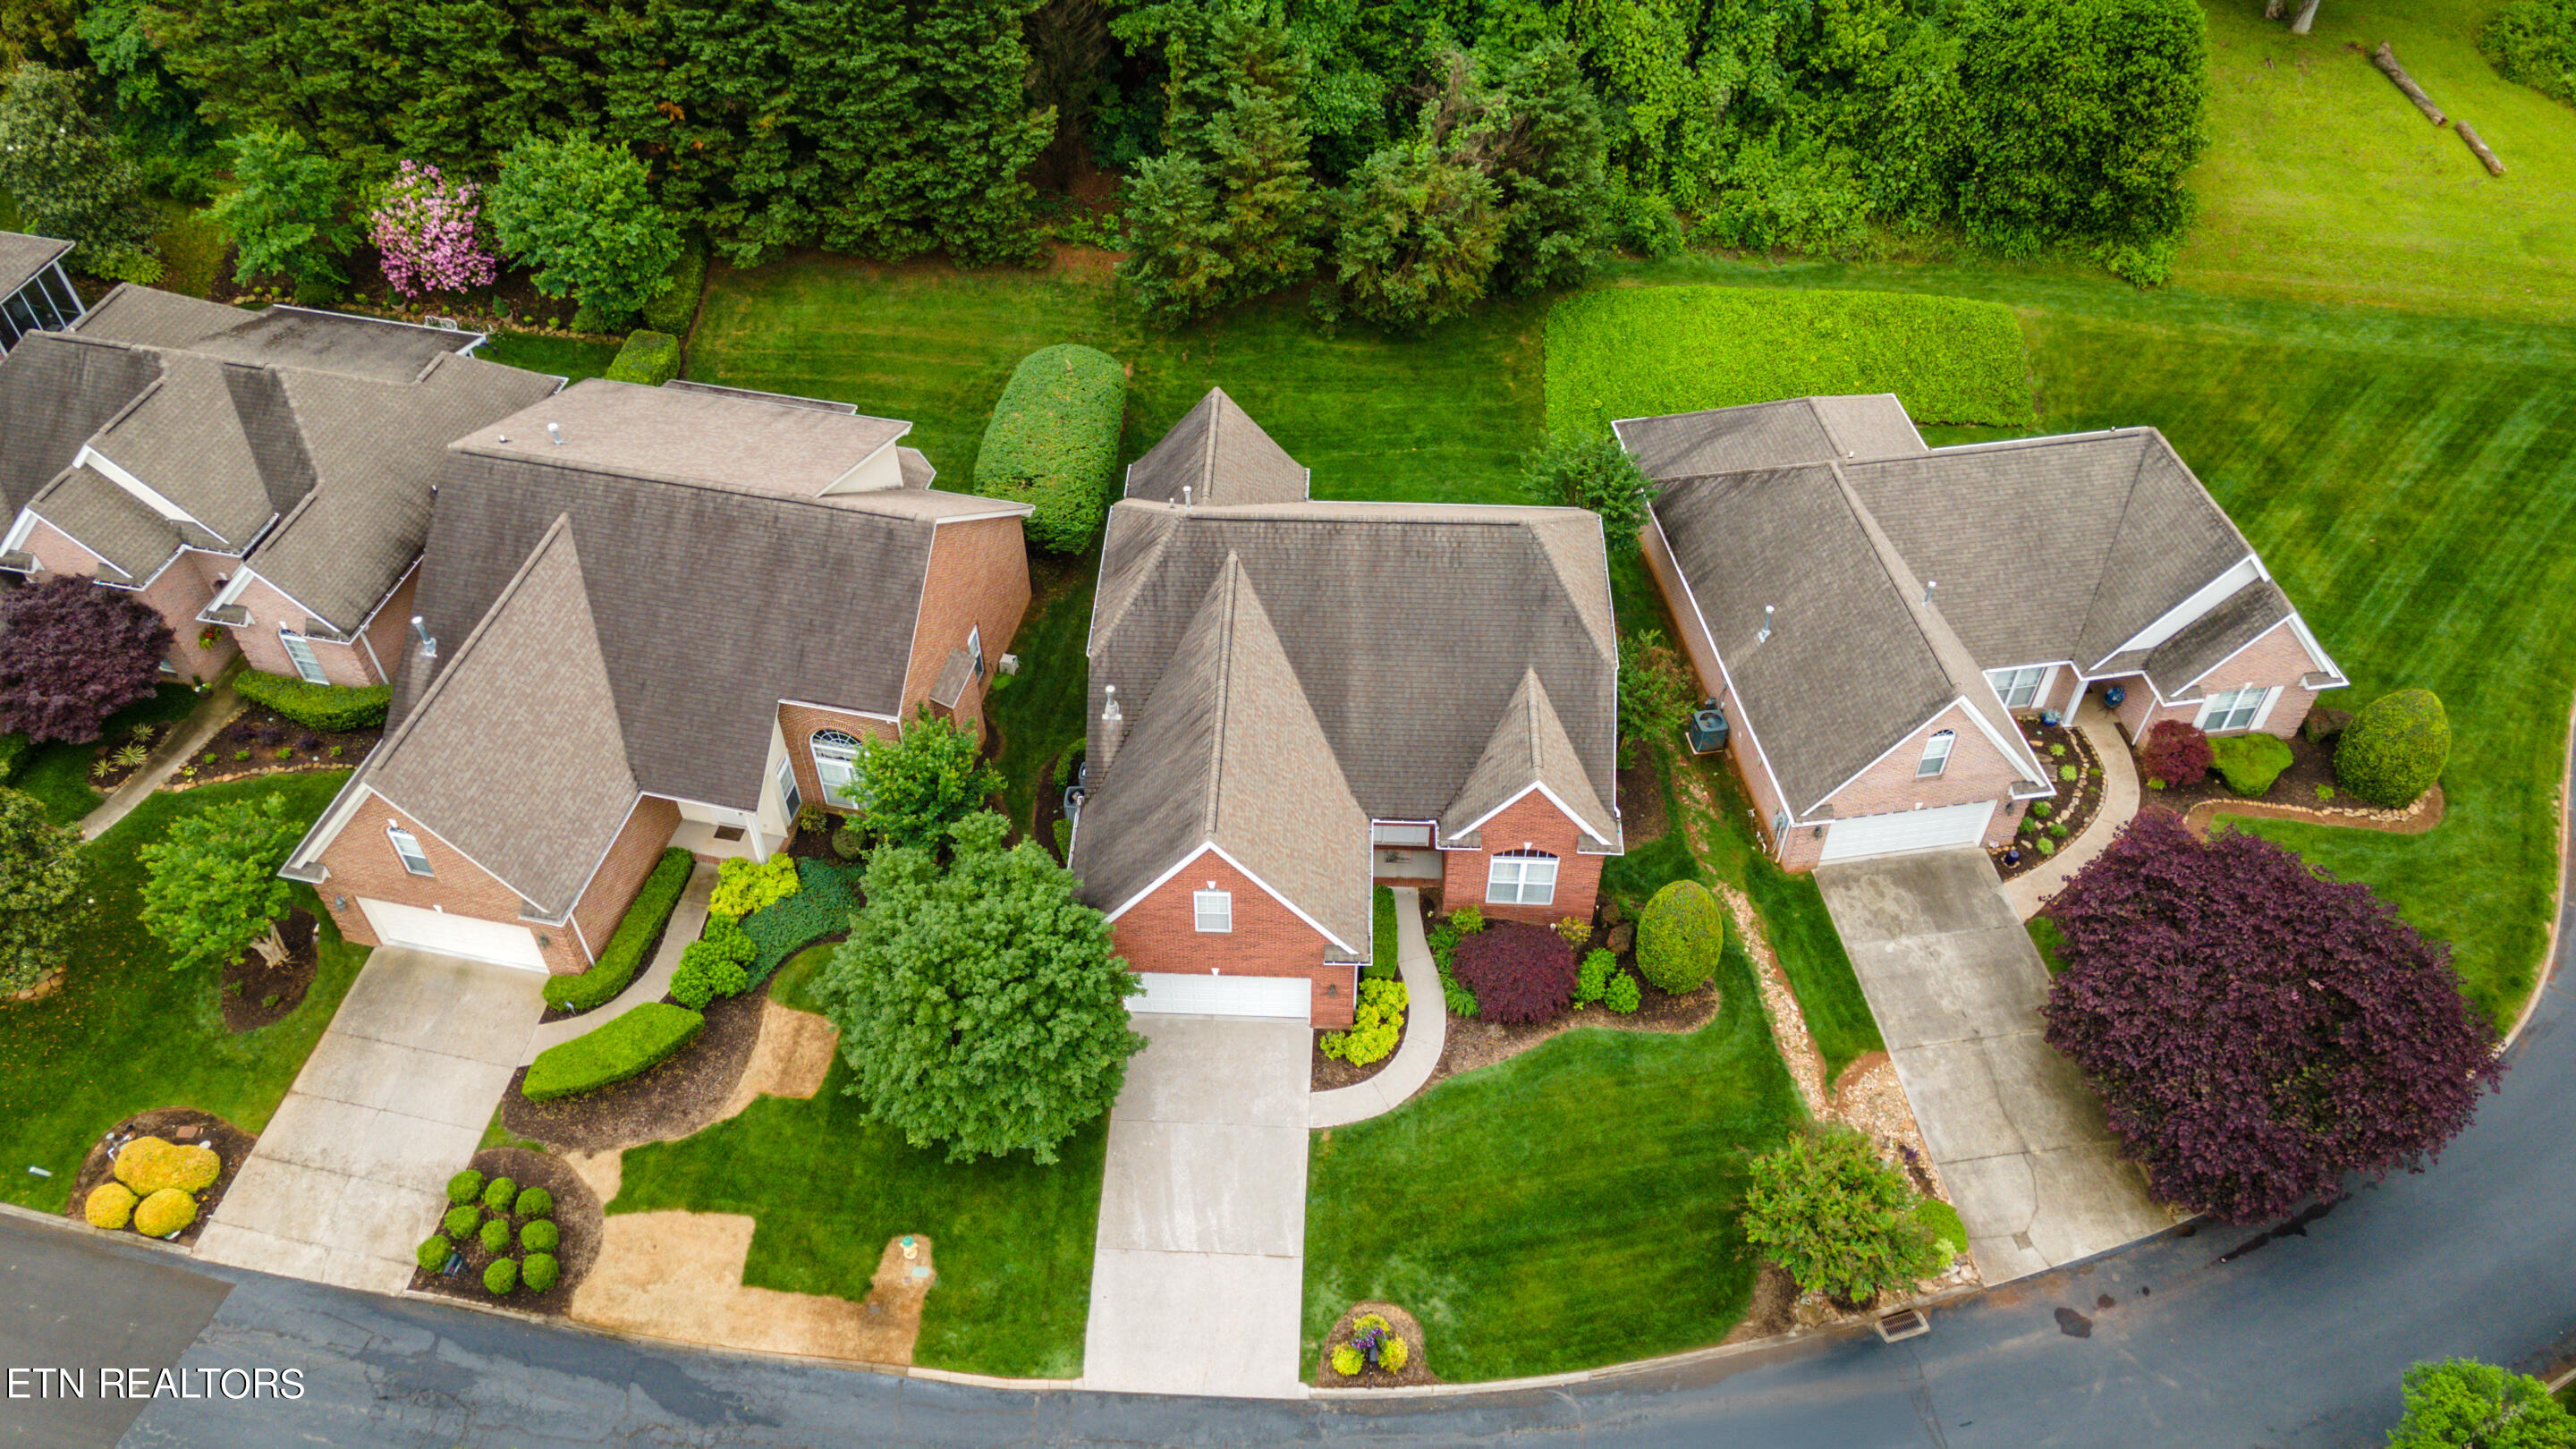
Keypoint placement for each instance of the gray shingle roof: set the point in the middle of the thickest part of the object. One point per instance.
(1769, 435)
(1529, 746)
(2238, 620)
(746, 444)
(22, 256)
(1221, 455)
(337, 342)
(148, 318)
(131, 540)
(56, 391)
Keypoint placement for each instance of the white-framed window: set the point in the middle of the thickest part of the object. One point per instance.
(975, 647)
(1214, 910)
(1521, 878)
(790, 799)
(300, 650)
(2234, 709)
(836, 757)
(1936, 755)
(407, 848)
(2020, 688)
(1400, 836)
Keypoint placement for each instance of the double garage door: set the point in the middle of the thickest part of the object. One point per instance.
(1176, 994)
(1908, 830)
(449, 934)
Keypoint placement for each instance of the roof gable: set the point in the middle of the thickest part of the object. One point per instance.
(1769, 435)
(55, 392)
(1221, 456)
(1529, 750)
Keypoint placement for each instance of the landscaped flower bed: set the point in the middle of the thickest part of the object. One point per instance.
(2307, 782)
(158, 1173)
(674, 1098)
(1479, 1041)
(256, 993)
(1373, 1346)
(521, 1228)
(258, 742)
(2048, 825)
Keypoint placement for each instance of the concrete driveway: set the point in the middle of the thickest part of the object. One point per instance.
(1956, 986)
(352, 1171)
(1198, 1273)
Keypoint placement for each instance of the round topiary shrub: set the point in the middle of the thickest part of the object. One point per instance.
(1679, 936)
(1519, 973)
(148, 1164)
(164, 1212)
(465, 1186)
(535, 1202)
(1053, 442)
(2395, 748)
(499, 1193)
(501, 1277)
(110, 1206)
(434, 1251)
(540, 1272)
(540, 1237)
(496, 1237)
(2176, 753)
(460, 1220)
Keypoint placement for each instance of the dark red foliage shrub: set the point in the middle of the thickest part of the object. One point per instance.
(73, 653)
(1519, 973)
(2258, 1030)
(2177, 753)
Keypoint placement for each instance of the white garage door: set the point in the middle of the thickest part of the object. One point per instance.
(1935, 829)
(1174, 994)
(495, 941)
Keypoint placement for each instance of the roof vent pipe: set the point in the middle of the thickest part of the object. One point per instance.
(1928, 586)
(555, 433)
(1185, 495)
(1113, 725)
(1765, 634)
(420, 630)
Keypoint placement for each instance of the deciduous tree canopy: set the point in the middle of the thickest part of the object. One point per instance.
(73, 653)
(212, 887)
(39, 871)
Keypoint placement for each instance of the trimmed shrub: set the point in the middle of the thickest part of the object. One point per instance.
(1347, 1361)
(1824, 1206)
(461, 1220)
(433, 1252)
(1592, 978)
(499, 1193)
(110, 1205)
(634, 939)
(466, 1186)
(1679, 936)
(742, 887)
(534, 1202)
(1053, 442)
(677, 305)
(316, 706)
(2249, 763)
(2176, 753)
(2395, 748)
(822, 907)
(1376, 1025)
(632, 1043)
(165, 1212)
(1392, 1355)
(1624, 995)
(1519, 973)
(540, 1236)
(713, 965)
(495, 1236)
(501, 1277)
(1949, 1235)
(148, 1164)
(540, 1272)
(1467, 920)
(649, 359)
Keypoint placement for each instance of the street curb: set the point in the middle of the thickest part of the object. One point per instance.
(57, 1220)
(2558, 918)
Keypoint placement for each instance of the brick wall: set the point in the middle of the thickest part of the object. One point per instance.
(2064, 686)
(361, 862)
(1977, 770)
(621, 873)
(1533, 823)
(390, 634)
(1160, 933)
(271, 610)
(178, 595)
(2277, 658)
(978, 578)
(798, 722)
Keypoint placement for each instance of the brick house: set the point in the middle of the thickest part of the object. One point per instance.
(1293, 700)
(260, 479)
(1872, 613)
(652, 617)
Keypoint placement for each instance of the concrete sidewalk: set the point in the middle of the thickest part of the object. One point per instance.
(2120, 797)
(1426, 1031)
(211, 714)
(688, 922)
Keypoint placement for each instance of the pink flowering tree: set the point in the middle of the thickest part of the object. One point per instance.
(428, 231)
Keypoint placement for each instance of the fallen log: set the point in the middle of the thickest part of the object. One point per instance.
(2386, 60)
(2478, 148)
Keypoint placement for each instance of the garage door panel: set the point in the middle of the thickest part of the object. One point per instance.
(1942, 828)
(1182, 994)
(447, 933)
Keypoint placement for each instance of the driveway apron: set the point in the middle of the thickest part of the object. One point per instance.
(1198, 1274)
(352, 1172)
(1956, 986)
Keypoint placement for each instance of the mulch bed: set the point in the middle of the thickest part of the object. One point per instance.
(669, 1102)
(232, 1147)
(1473, 1042)
(255, 993)
(105, 781)
(1417, 1364)
(1641, 795)
(1325, 1073)
(1774, 1309)
(577, 1218)
(250, 744)
(2311, 765)
(2076, 802)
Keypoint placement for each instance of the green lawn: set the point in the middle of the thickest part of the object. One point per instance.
(1040, 715)
(57, 774)
(1013, 1239)
(1573, 1206)
(125, 1034)
(569, 358)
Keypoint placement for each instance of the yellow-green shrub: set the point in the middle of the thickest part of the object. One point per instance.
(149, 1164)
(1375, 1026)
(742, 887)
(164, 1212)
(1679, 936)
(110, 1206)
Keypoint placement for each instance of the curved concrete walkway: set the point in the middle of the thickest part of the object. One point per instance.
(1426, 1031)
(688, 922)
(2030, 890)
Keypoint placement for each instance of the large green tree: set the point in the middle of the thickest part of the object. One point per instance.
(40, 870)
(1420, 229)
(288, 210)
(578, 212)
(211, 888)
(981, 1007)
(912, 789)
(2464, 1404)
(1545, 148)
(71, 180)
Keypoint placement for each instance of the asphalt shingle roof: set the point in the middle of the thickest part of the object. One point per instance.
(56, 391)
(23, 256)
(2238, 620)
(1529, 746)
(1221, 455)
(1769, 435)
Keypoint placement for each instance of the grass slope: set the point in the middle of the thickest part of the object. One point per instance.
(57, 773)
(126, 1034)
(1573, 1206)
(1013, 1239)
(1040, 715)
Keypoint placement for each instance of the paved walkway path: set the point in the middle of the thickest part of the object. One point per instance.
(688, 922)
(1426, 1031)
(2031, 889)
(176, 749)
(352, 1171)
(1198, 1272)
(1956, 986)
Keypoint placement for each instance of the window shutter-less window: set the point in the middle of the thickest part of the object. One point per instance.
(1214, 910)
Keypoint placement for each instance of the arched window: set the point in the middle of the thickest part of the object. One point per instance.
(1521, 878)
(1936, 755)
(836, 758)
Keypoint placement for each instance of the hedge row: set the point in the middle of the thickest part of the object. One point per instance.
(634, 939)
(648, 358)
(316, 706)
(677, 307)
(1631, 352)
(623, 1048)
(1053, 442)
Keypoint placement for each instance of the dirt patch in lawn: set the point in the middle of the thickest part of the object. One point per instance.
(789, 1060)
(1641, 795)
(679, 1275)
(184, 1125)
(671, 1101)
(1774, 1309)
(1417, 1362)
(255, 993)
(576, 1218)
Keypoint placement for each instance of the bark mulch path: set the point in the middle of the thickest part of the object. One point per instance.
(1417, 1363)
(671, 1101)
(576, 1217)
(2076, 802)
(183, 1125)
(255, 993)
(1325, 1073)
(1641, 794)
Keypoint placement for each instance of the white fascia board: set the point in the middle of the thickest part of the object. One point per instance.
(1974, 714)
(1726, 677)
(1008, 510)
(19, 527)
(838, 709)
(144, 493)
(2208, 596)
(1552, 797)
(1210, 847)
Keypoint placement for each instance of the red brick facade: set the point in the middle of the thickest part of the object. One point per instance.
(1160, 933)
(978, 579)
(798, 723)
(361, 862)
(630, 858)
(178, 593)
(2277, 658)
(352, 663)
(1530, 823)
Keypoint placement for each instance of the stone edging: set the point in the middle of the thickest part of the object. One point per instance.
(175, 786)
(2416, 819)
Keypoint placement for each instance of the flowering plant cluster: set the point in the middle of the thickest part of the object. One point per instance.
(427, 230)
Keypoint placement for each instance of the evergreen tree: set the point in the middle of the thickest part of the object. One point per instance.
(40, 870)
(70, 180)
(1546, 156)
(1420, 231)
